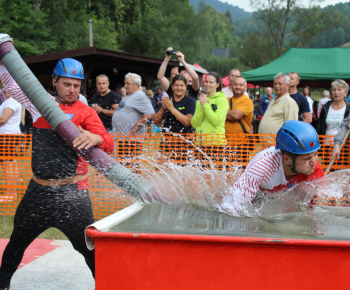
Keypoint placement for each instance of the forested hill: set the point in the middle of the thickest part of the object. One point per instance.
(236, 12)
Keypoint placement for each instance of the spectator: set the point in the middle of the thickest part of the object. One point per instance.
(186, 70)
(209, 122)
(240, 113)
(326, 98)
(123, 93)
(281, 109)
(265, 100)
(333, 113)
(257, 96)
(117, 90)
(105, 102)
(57, 196)
(176, 111)
(211, 111)
(130, 119)
(10, 118)
(149, 94)
(304, 108)
(134, 110)
(149, 124)
(307, 94)
(291, 161)
(157, 99)
(235, 72)
(256, 112)
(348, 99)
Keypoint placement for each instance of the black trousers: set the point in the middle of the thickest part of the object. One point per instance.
(63, 207)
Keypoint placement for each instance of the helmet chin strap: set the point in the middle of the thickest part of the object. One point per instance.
(292, 167)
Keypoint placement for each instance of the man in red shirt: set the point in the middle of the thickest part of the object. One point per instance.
(57, 196)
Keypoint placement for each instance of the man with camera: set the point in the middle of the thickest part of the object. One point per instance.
(105, 102)
(188, 72)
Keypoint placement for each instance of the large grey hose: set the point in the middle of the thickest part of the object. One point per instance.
(114, 171)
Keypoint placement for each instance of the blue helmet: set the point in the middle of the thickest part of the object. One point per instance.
(297, 137)
(70, 68)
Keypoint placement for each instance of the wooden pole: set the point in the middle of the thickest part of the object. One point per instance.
(341, 146)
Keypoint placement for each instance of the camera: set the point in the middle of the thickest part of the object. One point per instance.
(170, 52)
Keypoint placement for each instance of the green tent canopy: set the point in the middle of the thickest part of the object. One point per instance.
(316, 66)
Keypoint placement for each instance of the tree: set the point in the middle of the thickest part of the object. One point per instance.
(23, 21)
(256, 50)
(275, 15)
(327, 20)
(337, 36)
(172, 24)
(287, 20)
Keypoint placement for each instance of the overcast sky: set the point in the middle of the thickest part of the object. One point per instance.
(245, 4)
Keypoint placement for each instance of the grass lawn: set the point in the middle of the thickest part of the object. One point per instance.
(6, 222)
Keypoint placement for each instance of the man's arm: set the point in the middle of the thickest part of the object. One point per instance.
(140, 122)
(242, 108)
(305, 110)
(106, 112)
(338, 139)
(92, 124)
(307, 117)
(234, 115)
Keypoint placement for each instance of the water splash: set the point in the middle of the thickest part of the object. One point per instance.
(191, 185)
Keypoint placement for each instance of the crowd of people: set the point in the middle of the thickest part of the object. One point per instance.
(57, 195)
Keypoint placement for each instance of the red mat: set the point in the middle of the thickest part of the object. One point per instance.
(38, 248)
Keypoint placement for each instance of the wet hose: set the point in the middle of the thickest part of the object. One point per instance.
(131, 183)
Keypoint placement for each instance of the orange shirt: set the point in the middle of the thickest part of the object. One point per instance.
(244, 104)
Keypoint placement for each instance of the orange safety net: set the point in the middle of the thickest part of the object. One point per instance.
(143, 154)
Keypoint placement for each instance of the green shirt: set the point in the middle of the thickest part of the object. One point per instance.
(210, 120)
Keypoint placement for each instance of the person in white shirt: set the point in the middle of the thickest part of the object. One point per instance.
(291, 161)
(10, 118)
